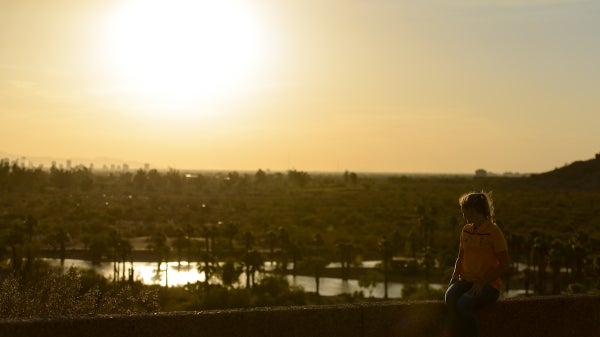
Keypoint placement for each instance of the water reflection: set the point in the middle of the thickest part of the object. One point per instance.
(169, 274)
(335, 286)
(174, 274)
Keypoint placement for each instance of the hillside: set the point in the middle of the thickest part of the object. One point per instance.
(583, 174)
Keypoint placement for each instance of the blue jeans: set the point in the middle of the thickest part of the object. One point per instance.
(462, 306)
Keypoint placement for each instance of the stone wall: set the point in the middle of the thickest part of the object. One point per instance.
(556, 316)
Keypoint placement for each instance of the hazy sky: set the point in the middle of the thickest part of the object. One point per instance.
(444, 86)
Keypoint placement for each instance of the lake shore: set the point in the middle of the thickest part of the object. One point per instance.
(354, 273)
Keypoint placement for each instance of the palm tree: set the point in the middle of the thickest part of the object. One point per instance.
(346, 251)
(158, 245)
(29, 226)
(208, 266)
(428, 226)
(115, 241)
(230, 230)
(397, 241)
(188, 231)
(15, 240)
(578, 251)
(254, 262)
(412, 241)
(97, 249)
(286, 248)
(316, 264)
(555, 261)
(59, 237)
(527, 277)
(207, 232)
(528, 273)
(517, 243)
(540, 253)
(271, 241)
(385, 248)
(124, 250)
(248, 240)
(181, 244)
(252, 259)
(427, 263)
(212, 234)
(295, 252)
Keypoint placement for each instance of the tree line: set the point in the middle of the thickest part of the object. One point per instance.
(232, 223)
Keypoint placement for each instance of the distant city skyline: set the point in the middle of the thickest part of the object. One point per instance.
(441, 86)
(123, 165)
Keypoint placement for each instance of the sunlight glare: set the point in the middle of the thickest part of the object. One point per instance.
(181, 54)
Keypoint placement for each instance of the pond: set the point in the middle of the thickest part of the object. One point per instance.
(174, 274)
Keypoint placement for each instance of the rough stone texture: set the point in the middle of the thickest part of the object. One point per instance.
(559, 316)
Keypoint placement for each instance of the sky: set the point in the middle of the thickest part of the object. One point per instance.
(434, 86)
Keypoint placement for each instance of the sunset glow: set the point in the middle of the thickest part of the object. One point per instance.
(331, 85)
(175, 57)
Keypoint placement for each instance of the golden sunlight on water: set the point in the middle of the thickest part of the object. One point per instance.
(176, 275)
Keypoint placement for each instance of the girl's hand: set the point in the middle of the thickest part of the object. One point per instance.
(476, 289)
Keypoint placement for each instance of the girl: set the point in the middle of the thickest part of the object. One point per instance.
(482, 260)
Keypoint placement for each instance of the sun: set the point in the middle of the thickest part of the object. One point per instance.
(183, 55)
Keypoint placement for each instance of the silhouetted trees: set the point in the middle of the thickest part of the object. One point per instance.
(58, 239)
(245, 219)
(299, 178)
(208, 266)
(316, 260)
(346, 253)
(254, 263)
(230, 273)
(230, 230)
(386, 255)
(158, 245)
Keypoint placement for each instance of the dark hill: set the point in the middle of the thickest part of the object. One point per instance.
(579, 174)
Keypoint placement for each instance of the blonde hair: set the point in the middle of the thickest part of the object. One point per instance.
(481, 202)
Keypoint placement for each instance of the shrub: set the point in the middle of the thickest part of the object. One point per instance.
(56, 294)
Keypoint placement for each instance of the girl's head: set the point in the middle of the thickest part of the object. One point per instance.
(479, 203)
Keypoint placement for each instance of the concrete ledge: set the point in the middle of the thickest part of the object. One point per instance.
(560, 316)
